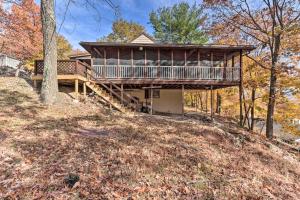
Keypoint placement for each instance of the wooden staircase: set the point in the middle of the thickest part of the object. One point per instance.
(114, 96)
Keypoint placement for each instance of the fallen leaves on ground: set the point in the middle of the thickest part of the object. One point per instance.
(106, 155)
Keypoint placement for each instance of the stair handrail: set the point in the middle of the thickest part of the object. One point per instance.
(117, 87)
(124, 101)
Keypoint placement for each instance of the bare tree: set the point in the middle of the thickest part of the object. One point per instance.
(49, 89)
(267, 22)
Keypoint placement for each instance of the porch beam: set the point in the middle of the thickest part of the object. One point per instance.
(241, 89)
(97, 51)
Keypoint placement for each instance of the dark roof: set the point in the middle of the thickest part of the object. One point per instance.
(88, 45)
(79, 55)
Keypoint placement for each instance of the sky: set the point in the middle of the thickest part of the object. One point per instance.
(84, 22)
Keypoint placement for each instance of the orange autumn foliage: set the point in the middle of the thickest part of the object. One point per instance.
(22, 35)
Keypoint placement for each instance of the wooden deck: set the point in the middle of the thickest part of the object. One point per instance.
(168, 77)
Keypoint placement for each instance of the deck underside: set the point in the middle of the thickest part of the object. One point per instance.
(141, 83)
(170, 84)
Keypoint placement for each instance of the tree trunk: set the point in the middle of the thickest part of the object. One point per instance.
(49, 89)
(271, 104)
(252, 109)
(272, 92)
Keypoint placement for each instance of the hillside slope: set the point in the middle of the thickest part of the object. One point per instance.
(119, 156)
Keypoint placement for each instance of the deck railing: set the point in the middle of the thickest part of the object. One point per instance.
(167, 72)
(64, 67)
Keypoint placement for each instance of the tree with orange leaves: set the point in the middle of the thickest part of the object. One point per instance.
(21, 30)
(270, 25)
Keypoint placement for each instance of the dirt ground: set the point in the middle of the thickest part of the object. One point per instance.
(76, 150)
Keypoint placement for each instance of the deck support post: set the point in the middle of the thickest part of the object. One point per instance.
(182, 98)
(241, 89)
(76, 89)
(206, 100)
(110, 95)
(35, 84)
(122, 94)
(151, 99)
(84, 89)
(211, 103)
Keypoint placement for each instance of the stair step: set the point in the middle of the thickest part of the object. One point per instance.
(104, 94)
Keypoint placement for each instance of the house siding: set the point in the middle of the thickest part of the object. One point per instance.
(143, 40)
(170, 101)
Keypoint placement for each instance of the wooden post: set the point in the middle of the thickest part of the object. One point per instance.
(110, 95)
(131, 57)
(84, 89)
(241, 89)
(184, 74)
(232, 66)
(225, 66)
(76, 89)
(206, 99)
(35, 84)
(151, 99)
(211, 65)
(145, 67)
(172, 64)
(158, 62)
(211, 104)
(198, 58)
(182, 98)
(92, 66)
(118, 62)
(104, 70)
(36, 67)
(122, 93)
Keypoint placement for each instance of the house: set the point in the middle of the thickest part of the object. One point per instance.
(148, 74)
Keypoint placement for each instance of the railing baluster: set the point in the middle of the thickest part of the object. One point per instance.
(166, 72)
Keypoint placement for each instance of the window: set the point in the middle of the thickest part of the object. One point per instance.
(156, 93)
